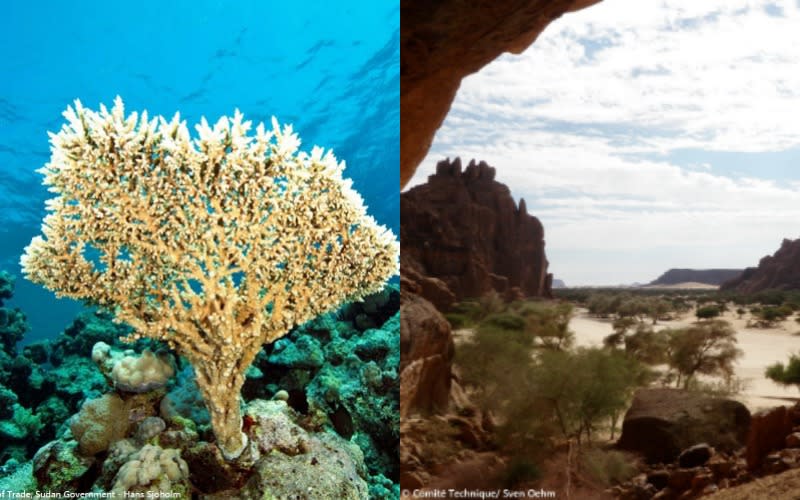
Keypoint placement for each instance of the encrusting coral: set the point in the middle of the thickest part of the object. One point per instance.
(215, 245)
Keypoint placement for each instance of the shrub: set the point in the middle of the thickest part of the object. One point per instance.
(469, 308)
(788, 374)
(608, 467)
(505, 321)
(457, 320)
(707, 312)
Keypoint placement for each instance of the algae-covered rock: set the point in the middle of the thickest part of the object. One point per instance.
(328, 468)
(8, 399)
(303, 352)
(22, 425)
(292, 462)
(58, 466)
(356, 386)
(17, 478)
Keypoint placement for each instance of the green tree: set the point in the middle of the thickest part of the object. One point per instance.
(648, 346)
(707, 348)
(548, 324)
(586, 387)
(621, 327)
(788, 374)
(658, 308)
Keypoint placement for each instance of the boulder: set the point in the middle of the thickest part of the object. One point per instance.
(768, 432)
(426, 356)
(662, 422)
(695, 456)
(466, 232)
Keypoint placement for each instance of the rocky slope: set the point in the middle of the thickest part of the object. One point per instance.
(465, 230)
(756, 470)
(444, 41)
(780, 271)
(707, 276)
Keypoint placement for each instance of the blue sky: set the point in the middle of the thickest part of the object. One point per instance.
(645, 135)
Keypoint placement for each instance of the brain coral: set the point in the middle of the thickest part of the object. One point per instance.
(215, 245)
(100, 422)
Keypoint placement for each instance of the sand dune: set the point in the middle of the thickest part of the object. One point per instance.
(689, 285)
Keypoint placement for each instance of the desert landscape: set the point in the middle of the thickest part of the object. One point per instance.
(761, 347)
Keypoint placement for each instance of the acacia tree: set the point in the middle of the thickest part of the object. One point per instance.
(708, 348)
(586, 387)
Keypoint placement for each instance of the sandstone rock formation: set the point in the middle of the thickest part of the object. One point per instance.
(767, 468)
(780, 270)
(768, 432)
(444, 41)
(662, 422)
(426, 356)
(707, 276)
(465, 230)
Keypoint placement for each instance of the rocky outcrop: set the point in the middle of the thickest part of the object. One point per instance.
(778, 271)
(426, 356)
(707, 276)
(662, 422)
(769, 430)
(465, 230)
(766, 468)
(444, 41)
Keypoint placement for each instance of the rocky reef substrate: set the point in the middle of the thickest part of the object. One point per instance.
(321, 411)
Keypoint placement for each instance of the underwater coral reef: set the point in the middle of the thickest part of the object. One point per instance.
(201, 252)
(321, 402)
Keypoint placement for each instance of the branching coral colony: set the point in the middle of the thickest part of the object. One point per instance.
(215, 245)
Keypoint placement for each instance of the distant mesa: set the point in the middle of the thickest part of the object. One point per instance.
(778, 271)
(463, 235)
(557, 283)
(705, 276)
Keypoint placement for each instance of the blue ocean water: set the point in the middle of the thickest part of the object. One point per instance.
(329, 68)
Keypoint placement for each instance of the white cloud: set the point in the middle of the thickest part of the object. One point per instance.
(581, 122)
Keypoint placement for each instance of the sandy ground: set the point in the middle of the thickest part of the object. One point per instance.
(762, 347)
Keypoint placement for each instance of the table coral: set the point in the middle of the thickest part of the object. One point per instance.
(215, 245)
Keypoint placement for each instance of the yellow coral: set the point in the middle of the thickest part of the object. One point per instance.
(216, 245)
